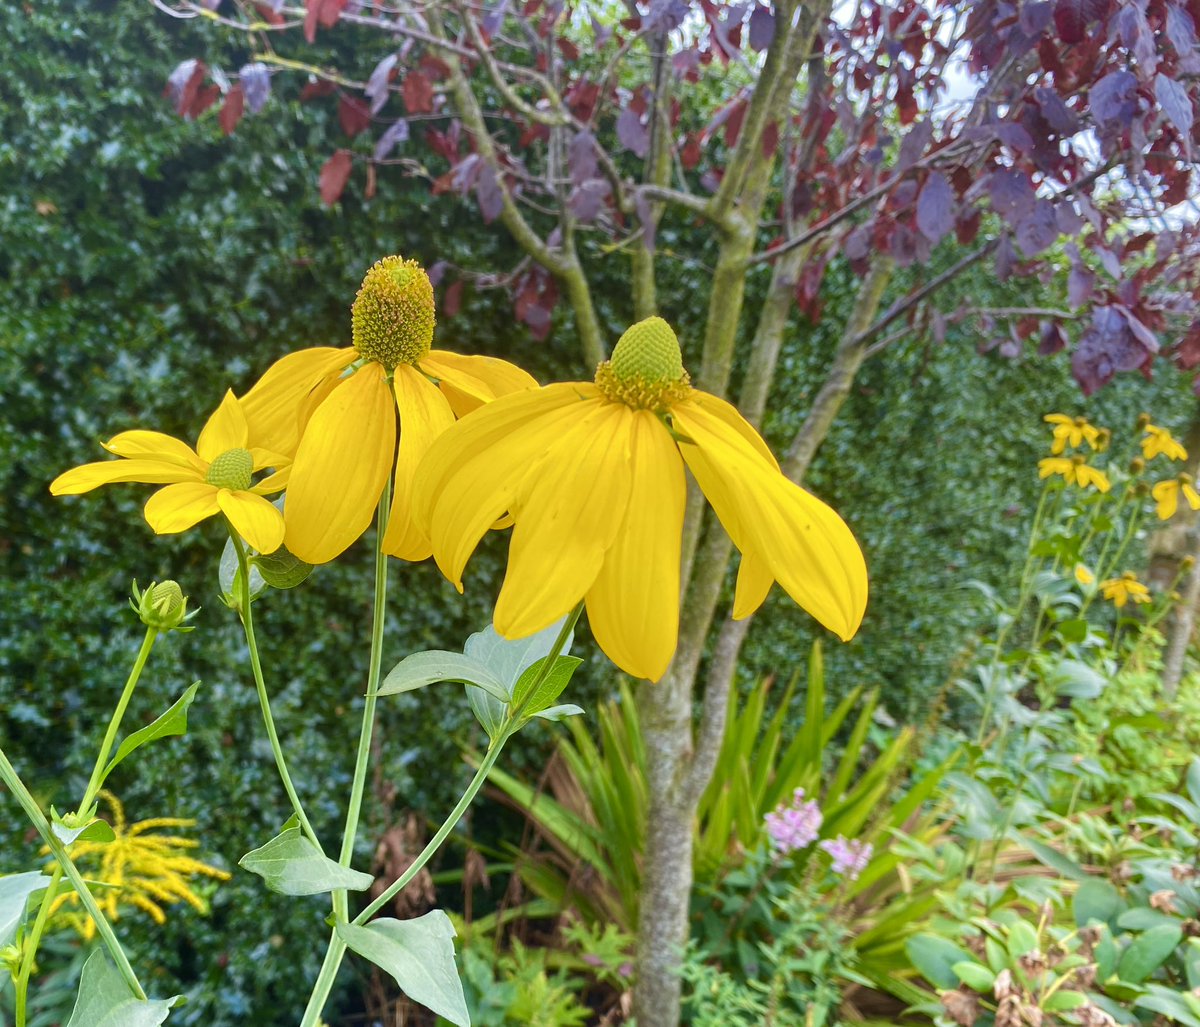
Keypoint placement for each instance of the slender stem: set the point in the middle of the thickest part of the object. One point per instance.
(260, 685)
(29, 804)
(30, 946)
(362, 758)
(114, 724)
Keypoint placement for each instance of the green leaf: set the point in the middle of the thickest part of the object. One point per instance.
(1142, 918)
(1022, 939)
(427, 668)
(489, 711)
(1105, 951)
(1148, 952)
(524, 696)
(935, 958)
(1170, 1003)
(93, 831)
(508, 659)
(15, 890)
(1096, 900)
(974, 975)
(292, 865)
(173, 722)
(1074, 630)
(281, 569)
(1056, 860)
(1193, 780)
(557, 713)
(106, 1000)
(419, 954)
(1062, 1001)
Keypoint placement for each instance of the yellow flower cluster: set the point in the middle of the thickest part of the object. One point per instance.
(137, 868)
(591, 475)
(1074, 470)
(1124, 589)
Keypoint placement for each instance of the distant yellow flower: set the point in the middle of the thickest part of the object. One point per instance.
(342, 427)
(592, 474)
(1121, 590)
(1072, 431)
(1075, 470)
(1083, 575)
(1166, 495)
(216, 477)
(147, 871)
(1159, 440)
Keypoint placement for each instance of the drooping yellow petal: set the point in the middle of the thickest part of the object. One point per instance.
(106, 472)
(226, 429)
(1166, 496)
(754, 581)
(633, 605)
(272, 483)
(254, 518)
(267, 458)
(1191, 495)
(340, 468)
(272, 407)
(154, 445)
(424, 415)
(470, 475)
(807, 547)
(730, 414)
(568, 508)
(469, 381)
(177, 507)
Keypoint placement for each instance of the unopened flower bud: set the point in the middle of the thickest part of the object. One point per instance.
(1137, 465)
(163, 606)
(10, 959)
(1187, 563)
(1142, 421)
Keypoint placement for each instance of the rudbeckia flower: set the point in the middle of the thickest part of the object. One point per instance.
(1166, 495)
(1121, 590)
(336, 410)
(1075, 471)
(1083, 575)
(1072, 431)
(592, 474)
(1159, 440)
(216, 477)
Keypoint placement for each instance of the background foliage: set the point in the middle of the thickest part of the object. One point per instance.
(148, 264)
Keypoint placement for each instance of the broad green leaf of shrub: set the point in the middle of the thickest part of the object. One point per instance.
(1096, 900)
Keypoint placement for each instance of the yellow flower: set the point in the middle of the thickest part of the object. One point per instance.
(592, 474)
(1126, 587)
(1075, 470)
(216, 477)
(1166, 495)
(1159, 440)
(342, 427)
(1083, 575)
(1072, 431)
(140, 869)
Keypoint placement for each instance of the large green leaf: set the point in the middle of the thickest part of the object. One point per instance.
(1096, 900)
(173, 722)
(292, 865)
(419, 954)
(106, 1000)
(935, 957)
(15, 890)
(532, 695)
(1148, 952)
(427, 668)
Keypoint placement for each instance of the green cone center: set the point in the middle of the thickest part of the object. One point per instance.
(646, 369)
(233, 469)
(392, 319)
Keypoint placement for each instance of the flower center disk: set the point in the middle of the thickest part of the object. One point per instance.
(393, 314)
(646, 370)
(233, 469)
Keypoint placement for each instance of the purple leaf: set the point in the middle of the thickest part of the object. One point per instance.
(645, 213)
(1038, 230)
(1181, 31)
(666, 15)
(465, 173)
(396, 133)
(494, 18)
(1136, 33)
(1109, 259)
(903, 245)
(489, 194)
(1080, 284)
(1014, 136)
(1176, 105)
(1068, 219)
(1035, 17)
(1011, 194)
(1053, 339)
(1006, 258)
(587, 199)
(632, 133)
(914, 145)
(1054, 109)
(179, 80)
(377, 84)
(935, 207)
(582, 160)
(858, 243)
(762, 28)
(256, 85)
(1140, 332)
(1114, 99)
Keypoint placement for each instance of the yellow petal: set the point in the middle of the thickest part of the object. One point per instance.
(633, 606)
(754, 581)
(469, 381)
(807, 547)
(154, 445)
(254, 518)
(424, 415)
(1192, 496)
(341, 466)
(276, 482)
(106, 472)
(729, 414)
(272, 406)
(177, 507)
(567, 509)
(470, 475)
(1166, 496)
(225, 430)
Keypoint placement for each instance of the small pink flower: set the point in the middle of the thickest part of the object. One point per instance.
(796, 826)
(849, 857)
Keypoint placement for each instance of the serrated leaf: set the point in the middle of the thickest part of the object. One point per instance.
(15, 890)
(435, 665)
(171, 723)
(282, 569)
(292, 865)
(106, 1000)
(531, 695)
(419, 954)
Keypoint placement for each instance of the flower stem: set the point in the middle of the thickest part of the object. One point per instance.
(247, 618)
(29, 804)
(30, 946)
(114, 724)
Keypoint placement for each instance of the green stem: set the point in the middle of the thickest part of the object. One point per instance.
(30, 946)
(378, 619)
(110, 736)
(29, 804)
(247, 617)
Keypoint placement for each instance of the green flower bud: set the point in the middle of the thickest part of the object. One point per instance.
(10, 959)
(163, 606)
